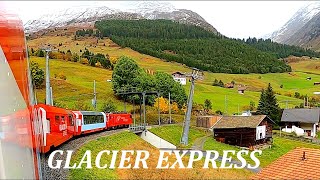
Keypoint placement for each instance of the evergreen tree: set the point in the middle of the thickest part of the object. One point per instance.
(215, 82)
(207, 105)
(221, 84)
(268, 104)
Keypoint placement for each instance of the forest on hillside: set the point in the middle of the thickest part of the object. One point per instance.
(280, 50)
(190, 45)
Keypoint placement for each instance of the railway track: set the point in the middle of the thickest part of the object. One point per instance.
(73, 144)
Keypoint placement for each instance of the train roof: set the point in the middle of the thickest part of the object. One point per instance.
(91, 113)
(53, 109)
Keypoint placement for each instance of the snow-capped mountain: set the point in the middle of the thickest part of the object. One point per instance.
(148, 7)
(288, 33)
(134, 10)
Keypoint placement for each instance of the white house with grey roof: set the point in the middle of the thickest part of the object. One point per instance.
(301, 121)
(180, 78)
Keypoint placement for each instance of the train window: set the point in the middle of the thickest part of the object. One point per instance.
(71, 120)
(62, 119)
(57, 119)
(93, 119)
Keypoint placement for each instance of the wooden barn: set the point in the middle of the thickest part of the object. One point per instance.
(207, 121)
(244, 131)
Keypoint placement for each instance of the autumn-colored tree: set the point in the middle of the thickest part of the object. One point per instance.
(174, 107)
(163, 104)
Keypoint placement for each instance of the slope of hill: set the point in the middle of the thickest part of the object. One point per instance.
(79, 83)
(84, 16)
(301, 29)
(190, 45)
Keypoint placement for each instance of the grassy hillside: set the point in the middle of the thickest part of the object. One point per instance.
(173, 134)
(82, 76)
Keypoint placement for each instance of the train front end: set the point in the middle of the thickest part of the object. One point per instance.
(20, 129)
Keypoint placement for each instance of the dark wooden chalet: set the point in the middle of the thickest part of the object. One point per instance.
(243, 131)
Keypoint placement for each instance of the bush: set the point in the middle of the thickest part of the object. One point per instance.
(40, 53)
(37, 75)
(84, 61)
(109, 106)
(81, 106)
(218, 112)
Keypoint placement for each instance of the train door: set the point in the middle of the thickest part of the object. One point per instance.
(71, 124)
(78, 122)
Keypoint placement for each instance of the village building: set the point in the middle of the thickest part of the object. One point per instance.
(207, 121)
(303, 122)
(229, 85)
(241, 89)
(299, 163)
(180, 77)
(243, 131)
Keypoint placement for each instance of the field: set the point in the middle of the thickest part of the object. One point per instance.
(227, 100)
(129, 141)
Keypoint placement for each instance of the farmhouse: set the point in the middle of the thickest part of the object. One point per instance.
(241, 89)
(229, 85)
(299, 163)
(301, 121)
(243, 130)
(180, 77)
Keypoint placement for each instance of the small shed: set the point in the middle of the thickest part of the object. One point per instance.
(207, 121)
(229, 85)
(241, 89)
(243, 130)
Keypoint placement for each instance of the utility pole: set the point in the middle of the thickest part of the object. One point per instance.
(159, 108)
(185, 135)
(170, 109)
(48, 90)
(51, 96)
(94, 100)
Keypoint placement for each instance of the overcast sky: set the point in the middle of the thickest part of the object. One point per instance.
(239, 19)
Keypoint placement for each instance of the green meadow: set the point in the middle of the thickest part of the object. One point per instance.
(79, 83)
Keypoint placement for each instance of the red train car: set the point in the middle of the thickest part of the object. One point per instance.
(118, 120)
(58, 126)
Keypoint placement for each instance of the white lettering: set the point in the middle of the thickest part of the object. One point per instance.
(58, 165)
(162, 158)
(142, 160)
(124, 158)
(86, 159)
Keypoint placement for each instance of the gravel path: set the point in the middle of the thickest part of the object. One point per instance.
(73, 144)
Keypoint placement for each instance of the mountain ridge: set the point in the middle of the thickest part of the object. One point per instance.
(143, 10)
(300, 29)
